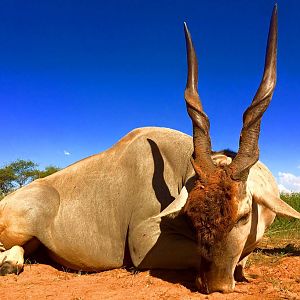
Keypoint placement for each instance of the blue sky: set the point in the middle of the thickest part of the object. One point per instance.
(75, 76)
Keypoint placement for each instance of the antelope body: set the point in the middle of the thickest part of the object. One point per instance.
(176, 203)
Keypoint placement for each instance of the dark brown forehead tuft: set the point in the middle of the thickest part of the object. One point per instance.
(212, 209)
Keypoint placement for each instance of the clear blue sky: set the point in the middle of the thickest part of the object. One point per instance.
(75, 76)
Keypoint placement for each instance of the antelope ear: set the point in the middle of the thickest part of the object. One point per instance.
(277, 205)
(175, 207)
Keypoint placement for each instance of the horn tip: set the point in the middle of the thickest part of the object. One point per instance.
(185, 27)
(274, 18)
(275, 9)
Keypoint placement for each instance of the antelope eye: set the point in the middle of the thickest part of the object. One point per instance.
(244, 218)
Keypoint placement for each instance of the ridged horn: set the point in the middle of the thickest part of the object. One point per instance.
(248, 152)
(202, 145)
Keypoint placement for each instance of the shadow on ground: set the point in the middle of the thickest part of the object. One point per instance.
(183, 277)
(41, 257)
(186, 278)
(288, 250)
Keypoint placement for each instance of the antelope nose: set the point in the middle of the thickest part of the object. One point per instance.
(211, 287)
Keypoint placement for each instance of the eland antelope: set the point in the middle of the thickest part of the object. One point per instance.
(166, 195)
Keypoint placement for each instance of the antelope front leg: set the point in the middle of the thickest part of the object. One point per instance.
(12, 261)
(239, 272)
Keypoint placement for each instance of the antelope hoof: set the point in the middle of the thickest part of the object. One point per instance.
(9, 267)
(12, 261)
(239, 274)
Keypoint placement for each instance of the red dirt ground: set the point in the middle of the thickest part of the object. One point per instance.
(274, 274)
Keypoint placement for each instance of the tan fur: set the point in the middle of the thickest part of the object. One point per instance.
(136, 190)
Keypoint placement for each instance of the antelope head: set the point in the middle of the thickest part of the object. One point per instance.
(219, 205)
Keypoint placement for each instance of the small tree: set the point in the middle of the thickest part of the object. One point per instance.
(24, 170)
(19, 173)
(7, 177)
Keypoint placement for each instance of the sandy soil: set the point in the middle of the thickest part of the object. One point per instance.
(274, 273)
